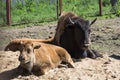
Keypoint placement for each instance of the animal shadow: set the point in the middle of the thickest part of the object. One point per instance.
(9, 74)
(115, 56)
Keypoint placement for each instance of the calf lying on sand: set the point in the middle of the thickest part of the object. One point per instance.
(38, 58)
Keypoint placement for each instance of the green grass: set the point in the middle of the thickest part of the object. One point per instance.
(46, 12)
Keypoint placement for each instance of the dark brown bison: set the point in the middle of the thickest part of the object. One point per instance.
(73, 34)
(37, 58)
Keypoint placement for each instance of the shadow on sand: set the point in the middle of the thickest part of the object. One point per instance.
(115, 56)
(10, 74)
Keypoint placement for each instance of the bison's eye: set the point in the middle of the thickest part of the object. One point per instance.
(28, 50)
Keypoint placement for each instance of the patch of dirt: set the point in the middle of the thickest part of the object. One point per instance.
(105, 39)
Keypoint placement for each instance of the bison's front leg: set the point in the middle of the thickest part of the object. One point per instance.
(93, 54)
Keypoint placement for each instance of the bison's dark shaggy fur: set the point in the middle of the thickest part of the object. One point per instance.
(73, 33)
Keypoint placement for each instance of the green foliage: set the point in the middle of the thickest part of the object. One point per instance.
(42, 11)
(105, 3)
(118, 8)
(33, 12)
(29, 5)
(2, 12)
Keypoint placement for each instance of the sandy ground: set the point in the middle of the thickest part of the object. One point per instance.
(105, 39)
(105, 68)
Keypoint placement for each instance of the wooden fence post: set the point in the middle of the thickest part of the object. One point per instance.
(8, 14)
(57, 9)
(60, 4)
(100, 7)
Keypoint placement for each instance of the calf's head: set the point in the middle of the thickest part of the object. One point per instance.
(27, 55)
(82, 29)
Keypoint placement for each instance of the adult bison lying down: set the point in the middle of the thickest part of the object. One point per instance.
(73, 34)
(38, 58)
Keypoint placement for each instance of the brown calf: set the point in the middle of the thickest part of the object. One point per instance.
(38, 58)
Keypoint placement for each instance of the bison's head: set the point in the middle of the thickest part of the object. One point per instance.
(27, 56)
(82, 29)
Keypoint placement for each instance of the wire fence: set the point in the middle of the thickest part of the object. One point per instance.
(27, 11)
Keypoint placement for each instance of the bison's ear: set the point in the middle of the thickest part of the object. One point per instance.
(93, 21)
(36, 45)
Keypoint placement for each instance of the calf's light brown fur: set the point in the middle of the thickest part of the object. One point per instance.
(38, 58)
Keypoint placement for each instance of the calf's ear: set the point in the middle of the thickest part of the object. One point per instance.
(36, 45)
(93, 21)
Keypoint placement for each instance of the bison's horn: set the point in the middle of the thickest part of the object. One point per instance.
(71, 21)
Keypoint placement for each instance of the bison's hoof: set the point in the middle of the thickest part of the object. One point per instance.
(93, 54)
